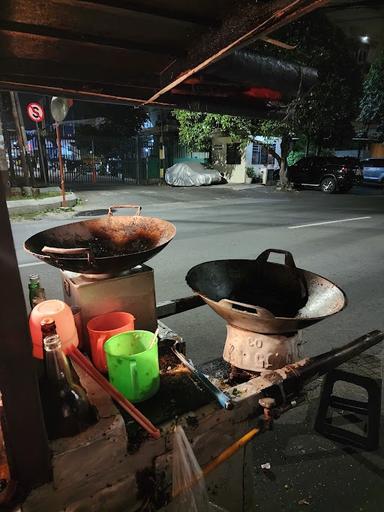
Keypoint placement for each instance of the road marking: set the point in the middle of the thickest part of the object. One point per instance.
(327, 222)
(22, 265)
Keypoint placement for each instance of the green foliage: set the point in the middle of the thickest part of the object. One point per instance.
(249, 171)
(196, 129)
(294, 156)
(372, 101)
(324, 115)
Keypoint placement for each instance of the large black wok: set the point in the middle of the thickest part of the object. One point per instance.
(106, 245)
(266, 297)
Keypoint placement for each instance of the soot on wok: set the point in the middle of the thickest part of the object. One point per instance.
(104, 247)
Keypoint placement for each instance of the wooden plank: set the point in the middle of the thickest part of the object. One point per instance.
(88, 40)
(107, 73)
(159, 10)
(18, 45)
(92, 21)
(25, 436)
(52, 87)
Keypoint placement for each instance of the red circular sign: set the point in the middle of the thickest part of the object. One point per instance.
(35, 112)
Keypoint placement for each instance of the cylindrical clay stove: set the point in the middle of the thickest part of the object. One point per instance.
(265, 305)
(257, 352)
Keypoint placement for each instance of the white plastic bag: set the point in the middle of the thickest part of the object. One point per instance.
(189, 493)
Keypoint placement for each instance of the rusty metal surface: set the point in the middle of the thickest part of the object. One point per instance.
(218, 281)
(115, 243)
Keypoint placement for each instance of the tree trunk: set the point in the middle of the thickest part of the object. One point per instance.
(307, 145)
(20, 141)
(282, 160)
(285, 147)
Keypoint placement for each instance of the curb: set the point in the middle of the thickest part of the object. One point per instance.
(21, 206)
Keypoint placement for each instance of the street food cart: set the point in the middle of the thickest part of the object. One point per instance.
(165, 54)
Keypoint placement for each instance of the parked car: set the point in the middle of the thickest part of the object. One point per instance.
(373, 170)
(329, 173)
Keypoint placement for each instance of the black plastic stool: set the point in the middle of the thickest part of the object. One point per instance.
(371, 409)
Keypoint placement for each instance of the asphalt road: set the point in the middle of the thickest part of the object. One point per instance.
(338, 236)
(240, 222)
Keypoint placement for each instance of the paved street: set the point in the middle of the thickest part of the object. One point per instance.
(338, 236)
(240, 222)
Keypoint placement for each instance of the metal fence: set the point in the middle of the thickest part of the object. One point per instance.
(135, 161)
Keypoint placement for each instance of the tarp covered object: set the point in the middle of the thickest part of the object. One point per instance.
(191, 174)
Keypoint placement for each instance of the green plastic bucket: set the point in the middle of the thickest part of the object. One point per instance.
(132, 368)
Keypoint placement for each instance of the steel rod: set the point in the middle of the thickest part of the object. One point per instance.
(61, 165)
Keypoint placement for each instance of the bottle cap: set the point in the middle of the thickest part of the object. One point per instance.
(47, 321)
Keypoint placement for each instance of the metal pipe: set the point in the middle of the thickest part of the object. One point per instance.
(61, 165)
(323, 363)
(295, 376)
(173, 307)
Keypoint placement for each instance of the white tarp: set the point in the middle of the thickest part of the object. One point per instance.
(191, 174)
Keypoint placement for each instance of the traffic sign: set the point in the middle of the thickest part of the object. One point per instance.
(35, 112)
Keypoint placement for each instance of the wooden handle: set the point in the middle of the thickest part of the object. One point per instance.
(64, 250)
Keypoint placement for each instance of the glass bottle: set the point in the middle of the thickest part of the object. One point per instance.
(66, 408)
(34, 286)
(48, 327)
(39, 297)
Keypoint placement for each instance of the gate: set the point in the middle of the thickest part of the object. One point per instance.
(134, 160)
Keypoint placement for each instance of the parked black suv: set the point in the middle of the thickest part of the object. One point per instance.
(329, 173)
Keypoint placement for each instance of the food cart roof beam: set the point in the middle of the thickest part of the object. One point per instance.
(122, 5)
(51, 34)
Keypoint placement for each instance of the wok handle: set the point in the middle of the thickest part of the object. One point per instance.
(261, 312)
(138, 208)
(68, 252)
(288, 260)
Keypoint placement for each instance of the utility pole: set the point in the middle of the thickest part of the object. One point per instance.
(20, 138)
(43, 169)
(61, 165)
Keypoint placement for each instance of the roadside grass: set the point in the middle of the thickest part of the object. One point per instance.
(42, 195)
(20, 217)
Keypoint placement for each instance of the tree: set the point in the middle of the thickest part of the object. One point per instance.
(323, 116)
(196, 129)
(281, 129)
(372, 101)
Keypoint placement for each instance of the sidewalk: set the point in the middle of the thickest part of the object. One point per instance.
(38, 205)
